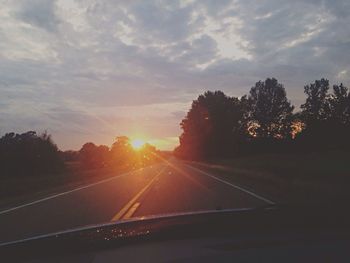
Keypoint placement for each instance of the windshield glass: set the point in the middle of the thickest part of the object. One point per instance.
(112, 110)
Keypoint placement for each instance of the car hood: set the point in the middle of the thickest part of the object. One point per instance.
(228, 222)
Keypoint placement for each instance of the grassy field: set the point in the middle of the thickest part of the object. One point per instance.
(292, 178)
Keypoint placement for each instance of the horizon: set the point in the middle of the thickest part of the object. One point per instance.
(91, 71)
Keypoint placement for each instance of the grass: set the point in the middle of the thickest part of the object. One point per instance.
(319, 177)
(332, 167)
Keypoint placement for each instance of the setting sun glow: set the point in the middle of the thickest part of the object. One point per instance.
(137, 144)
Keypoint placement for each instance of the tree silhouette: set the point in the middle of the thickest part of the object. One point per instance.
(316, 108)
(121, 151)
(326, 116)
(146, 155)
(269, 112)
(120, 155)
(339, 105)
(70, 155)
(339, 120)
(29, 154)
(211, 127)
(93, 156)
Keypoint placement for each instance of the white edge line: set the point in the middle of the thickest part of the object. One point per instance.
(64, 193)
(235, 186)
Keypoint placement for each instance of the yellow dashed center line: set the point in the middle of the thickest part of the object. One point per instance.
(131, 204)
(131, 211)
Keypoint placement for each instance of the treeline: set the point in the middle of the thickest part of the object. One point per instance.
(29, 154)
(32, 154)
(219, 126)
(120, 154)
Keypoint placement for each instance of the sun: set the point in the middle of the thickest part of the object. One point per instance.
(137, 144)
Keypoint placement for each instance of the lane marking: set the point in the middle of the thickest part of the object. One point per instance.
(131, 211)
(65, 193)
(132, 201)
(119, 215)
(232, 185)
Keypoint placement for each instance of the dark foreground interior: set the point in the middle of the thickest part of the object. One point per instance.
(268, 234)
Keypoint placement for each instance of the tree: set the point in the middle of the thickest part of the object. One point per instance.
(338, 123)
(269, 112)
(326, 116)
(146, 155)
(29, 154)
(70, 155)
(93, 156)
(316, 108)
(339, 105)
(121, 151)
(211, 127)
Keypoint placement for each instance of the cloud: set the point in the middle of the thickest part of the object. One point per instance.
(89, 70)
(39, 13)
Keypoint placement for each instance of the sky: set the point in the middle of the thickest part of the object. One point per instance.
(96, 69)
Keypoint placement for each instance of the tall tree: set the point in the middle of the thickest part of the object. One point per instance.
(326, 116)
(269, 111)
(316, 108)
(211, 127)
(121, 151)
(339, 104)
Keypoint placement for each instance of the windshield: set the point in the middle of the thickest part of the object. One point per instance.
(112, 110)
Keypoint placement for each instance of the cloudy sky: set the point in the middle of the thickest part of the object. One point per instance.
(91, 70)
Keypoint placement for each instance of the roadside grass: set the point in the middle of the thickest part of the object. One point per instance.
(326, 166)
(318, 177)
(15, 190)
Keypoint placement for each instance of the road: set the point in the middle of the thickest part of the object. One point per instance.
(169, 187)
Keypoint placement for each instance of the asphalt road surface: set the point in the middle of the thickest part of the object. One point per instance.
(170, 187)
